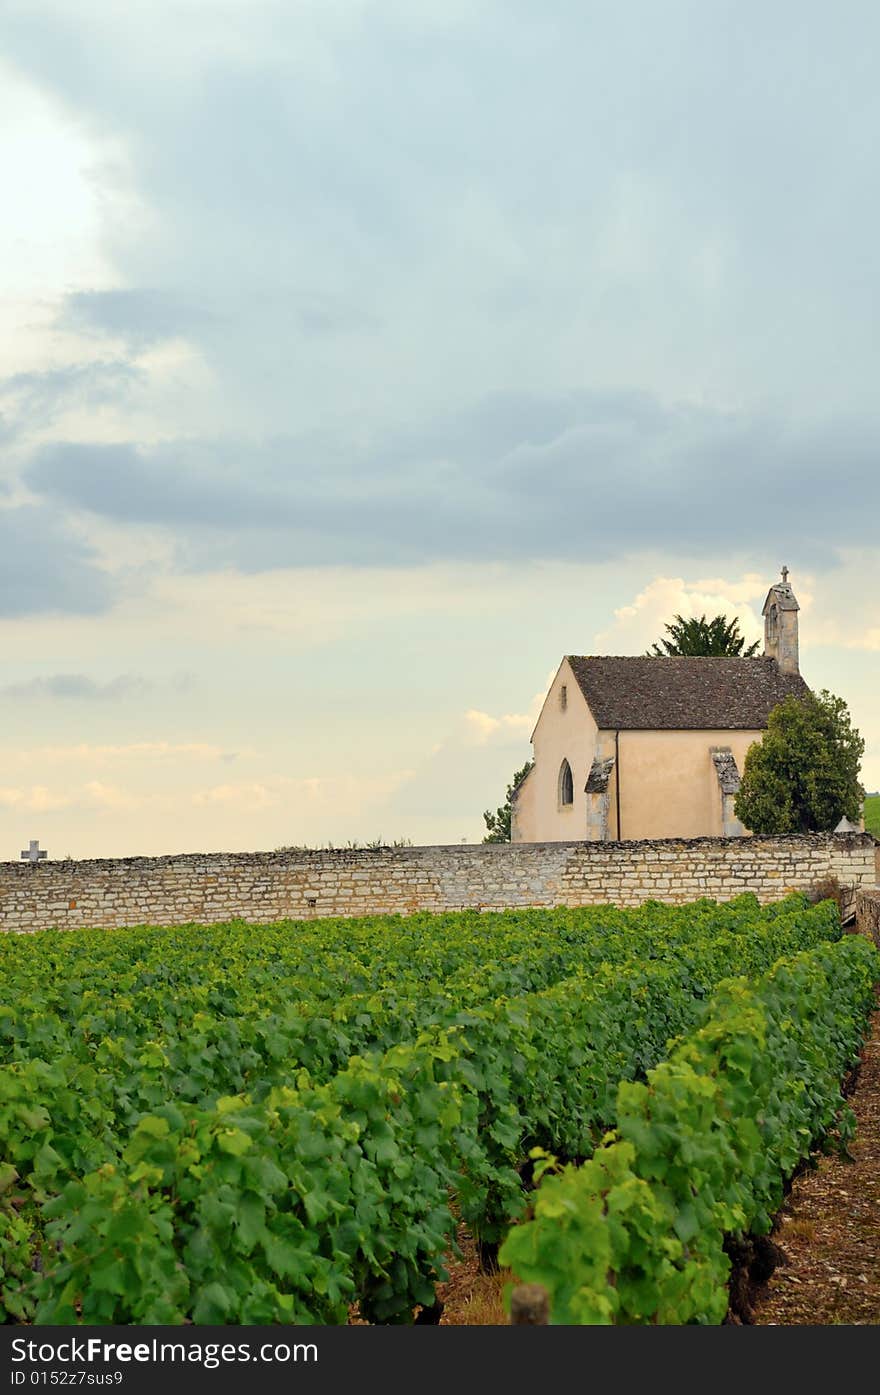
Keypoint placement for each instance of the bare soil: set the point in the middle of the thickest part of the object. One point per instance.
(829, 1228)
(471, 1298)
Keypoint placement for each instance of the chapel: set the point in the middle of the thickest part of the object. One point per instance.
(644, 747)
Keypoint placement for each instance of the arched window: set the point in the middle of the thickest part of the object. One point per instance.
(566, 785)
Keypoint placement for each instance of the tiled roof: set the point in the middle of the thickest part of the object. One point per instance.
(654, 694)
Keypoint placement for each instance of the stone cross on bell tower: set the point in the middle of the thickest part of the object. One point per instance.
(781, 625)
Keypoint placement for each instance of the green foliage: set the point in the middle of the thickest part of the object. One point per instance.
(803, 776)
(265, 1124)
(872, 814)
(691, 637)
(498, 824)
(702, 1147)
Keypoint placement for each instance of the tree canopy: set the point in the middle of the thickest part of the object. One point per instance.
(803, 777)
(498, 824)
(691, 637)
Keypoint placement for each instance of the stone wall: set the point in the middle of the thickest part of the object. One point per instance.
(868, 914)
(271, 886)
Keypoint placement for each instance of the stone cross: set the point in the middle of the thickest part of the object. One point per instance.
(34, 852)
(785, 576)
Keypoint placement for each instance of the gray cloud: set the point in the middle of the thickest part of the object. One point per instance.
(189, 484)
(45, 567)
(147, 316)
(366, 217)
(36, 397)
(142, 317)
(77, 687)
(513, 477)
(676, 196)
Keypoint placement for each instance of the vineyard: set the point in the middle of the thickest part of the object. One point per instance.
(287, 1123)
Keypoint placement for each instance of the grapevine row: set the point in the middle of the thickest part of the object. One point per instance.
(702, 1148)
(246, 1181)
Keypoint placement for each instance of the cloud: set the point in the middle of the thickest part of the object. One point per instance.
(146, 316)
(44, 566)
(482, 726)
(510, 728)
(453, 784)
(642, 621)
(37, 799)
(196, 485)
(247, 795)
(97, 795)
(468, 769)
(346, 795)
(441, 287)
(140, 316)
(78, 687)
(146, 751)
(93, 796)
(282, 142)
(39, 395)
(439, 344)
(589, 474)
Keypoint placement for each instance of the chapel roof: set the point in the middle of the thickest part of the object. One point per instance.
(631, 693)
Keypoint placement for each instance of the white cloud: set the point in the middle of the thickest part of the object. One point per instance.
(346, 795)
(147, 751)
(246, 796)
(845, 632)
(97, 795)
(480, 728)
(45, 163)
(93, 796)
(37, 799)
(641, 622)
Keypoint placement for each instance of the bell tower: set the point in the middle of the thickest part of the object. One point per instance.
(781, 625)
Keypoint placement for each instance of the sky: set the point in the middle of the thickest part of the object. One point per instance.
(360, 358)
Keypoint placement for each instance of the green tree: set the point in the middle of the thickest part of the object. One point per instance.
(803, 777)
(718, 636)
(498, 823)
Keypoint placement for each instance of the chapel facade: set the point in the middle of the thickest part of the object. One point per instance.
(644, 747)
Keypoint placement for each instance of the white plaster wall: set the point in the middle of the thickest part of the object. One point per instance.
(571, 735)
(669, 786)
